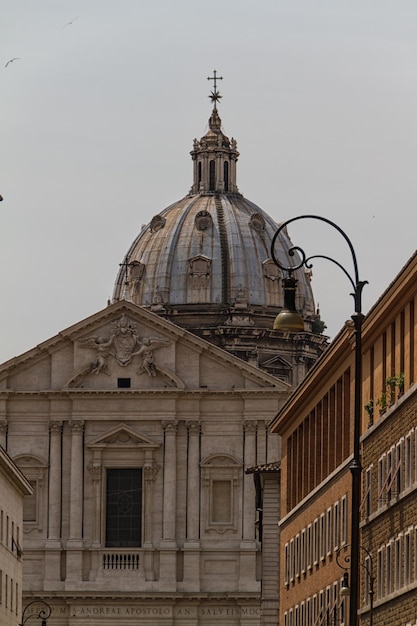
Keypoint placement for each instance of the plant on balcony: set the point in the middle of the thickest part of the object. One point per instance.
(369, 408)
(382, 403)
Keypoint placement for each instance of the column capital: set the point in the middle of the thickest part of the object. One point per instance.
(194, 427)
(250, 426)
(77, 426)
(170, 427)
(55, 427)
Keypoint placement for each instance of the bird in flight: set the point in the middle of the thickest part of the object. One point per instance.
(70, 22)
(11, 61)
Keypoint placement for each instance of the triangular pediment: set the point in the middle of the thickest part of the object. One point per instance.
(127, 349)
(122, 436)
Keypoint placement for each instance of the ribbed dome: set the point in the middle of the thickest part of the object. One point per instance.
(208, 256)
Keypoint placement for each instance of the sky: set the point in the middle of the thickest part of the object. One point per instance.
(103, 99)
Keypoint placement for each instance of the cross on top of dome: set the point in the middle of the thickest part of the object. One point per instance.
(215, 95)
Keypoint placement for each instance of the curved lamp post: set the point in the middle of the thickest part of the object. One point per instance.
(44, 612)
(357, 317)
(344, 561)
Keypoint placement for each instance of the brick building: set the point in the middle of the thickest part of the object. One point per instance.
(316, 429)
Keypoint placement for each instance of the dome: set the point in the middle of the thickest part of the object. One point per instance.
(205, 261)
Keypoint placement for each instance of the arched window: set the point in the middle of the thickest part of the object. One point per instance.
(199, 174)
(226, 175)
(212, 181)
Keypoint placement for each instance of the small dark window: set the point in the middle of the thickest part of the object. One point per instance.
(226, 175)
(123, 382)
(212, 181)
(124, 508)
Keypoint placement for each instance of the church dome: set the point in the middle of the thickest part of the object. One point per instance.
(205, 261)
(210, 252)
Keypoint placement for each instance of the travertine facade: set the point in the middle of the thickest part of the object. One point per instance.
(13, 488)
(135, 435)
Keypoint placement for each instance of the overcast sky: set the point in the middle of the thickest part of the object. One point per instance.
(100, 108)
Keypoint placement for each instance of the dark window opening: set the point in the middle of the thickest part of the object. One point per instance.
(212, 181)
(226, 175)
(123, 382)
(124, 508)
(199, 174)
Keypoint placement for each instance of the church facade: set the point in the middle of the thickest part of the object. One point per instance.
(136, 426)
(134, 435)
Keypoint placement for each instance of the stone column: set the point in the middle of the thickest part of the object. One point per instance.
(248, 544)
(53, 543)
(149, 474)
(249, 489)
(168, 554)
(75, 543)
(76, 482)
(193, 481)
(191, 578)
(170, 480)
(94, 467)
(54, 506)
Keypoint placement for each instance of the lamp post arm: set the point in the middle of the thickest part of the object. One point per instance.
(43, 614)
(357, 284)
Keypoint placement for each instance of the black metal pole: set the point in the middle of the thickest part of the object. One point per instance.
(357, 317)
(356, 469)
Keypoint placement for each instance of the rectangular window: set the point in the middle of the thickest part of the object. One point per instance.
(329, 531)
(287, 564)
(389, 568)
(344, 526)
(368, 492)
(367, 564)
(309, 617)
(309, 547)
(221, 502)
(380, 573)
(316, 541)
(303, 550)
(297, 556)
(398, 581)
(408, 461)
(336, 517)
(322, 536)
(124, 508)
(408, 556)
(123, 383)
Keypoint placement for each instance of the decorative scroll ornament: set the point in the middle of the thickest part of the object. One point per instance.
(123, 344)
(157, 222)
(203, 220)
(257, 222)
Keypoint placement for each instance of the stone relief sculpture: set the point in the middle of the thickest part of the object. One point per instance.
(149, 344)
(123, 344)
(102, 346)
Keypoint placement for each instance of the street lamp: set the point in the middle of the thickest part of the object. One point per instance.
(343, 561)
(43, 613)
(357, 317)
